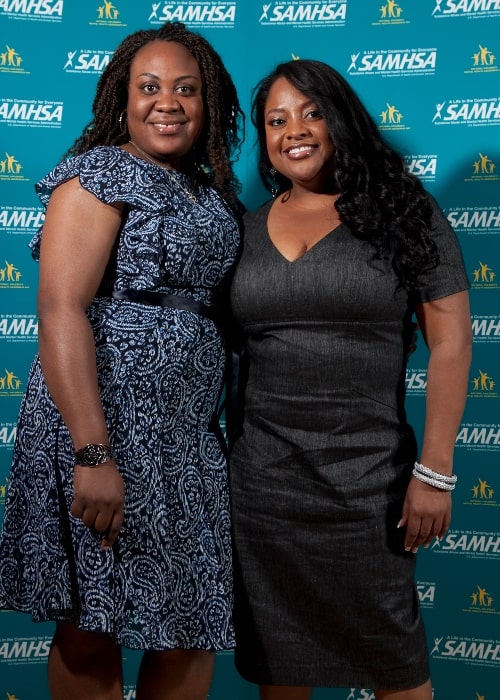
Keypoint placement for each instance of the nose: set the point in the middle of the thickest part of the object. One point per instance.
(168, 101)
(296, 128)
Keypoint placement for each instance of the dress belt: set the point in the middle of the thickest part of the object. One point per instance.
(142, 296)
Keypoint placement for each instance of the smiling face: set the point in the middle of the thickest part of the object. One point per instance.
(298, 143)
(165, 109)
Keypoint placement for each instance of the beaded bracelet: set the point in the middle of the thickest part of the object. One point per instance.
(436, 479)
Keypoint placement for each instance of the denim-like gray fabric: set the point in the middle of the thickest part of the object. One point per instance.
(324, 589)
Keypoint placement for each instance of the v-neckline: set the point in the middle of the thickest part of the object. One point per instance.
(309, 250)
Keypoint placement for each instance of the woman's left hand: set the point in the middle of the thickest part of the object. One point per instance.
(426, 514)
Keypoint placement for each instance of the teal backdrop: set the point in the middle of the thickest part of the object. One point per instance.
(429, 73)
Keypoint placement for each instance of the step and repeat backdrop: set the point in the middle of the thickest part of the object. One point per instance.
(429, 72)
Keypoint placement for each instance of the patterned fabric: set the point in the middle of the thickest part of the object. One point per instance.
(167, 582)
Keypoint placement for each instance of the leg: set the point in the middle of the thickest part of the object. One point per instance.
(423, 692)
(175, 675)
(284, 692)
(84, 665)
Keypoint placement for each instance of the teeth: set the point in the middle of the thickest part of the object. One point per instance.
(299, 149)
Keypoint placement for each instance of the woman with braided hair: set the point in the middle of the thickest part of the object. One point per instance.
(117, 519)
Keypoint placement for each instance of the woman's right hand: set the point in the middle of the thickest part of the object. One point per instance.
(98, 499)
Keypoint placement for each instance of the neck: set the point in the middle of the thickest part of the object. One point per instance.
(149, 158)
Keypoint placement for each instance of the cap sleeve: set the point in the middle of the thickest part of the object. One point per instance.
(108, 172)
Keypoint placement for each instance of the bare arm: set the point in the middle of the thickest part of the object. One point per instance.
(78, 236)
(446, 327)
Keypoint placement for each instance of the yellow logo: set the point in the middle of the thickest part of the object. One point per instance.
(11, 60)
(481, 602)
(10, 277)
(483, 382)
(483, 493)
(391, 118)
(484, 276)
(483, 386)
(10, 384)
(391, 12)
(108, 14)
(11, 168)
(483, 61)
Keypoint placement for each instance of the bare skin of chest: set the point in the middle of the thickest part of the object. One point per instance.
(294, 227)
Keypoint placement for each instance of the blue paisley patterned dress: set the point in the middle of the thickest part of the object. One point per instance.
(167, 583)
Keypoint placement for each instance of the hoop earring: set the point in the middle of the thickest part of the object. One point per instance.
(121, 119)
(274, 184)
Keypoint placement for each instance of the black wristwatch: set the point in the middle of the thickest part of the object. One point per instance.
(93, 455)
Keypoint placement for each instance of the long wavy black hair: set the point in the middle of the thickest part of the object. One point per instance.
(379, 200)
(213, 155)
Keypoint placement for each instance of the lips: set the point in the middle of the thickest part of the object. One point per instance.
(168, 128)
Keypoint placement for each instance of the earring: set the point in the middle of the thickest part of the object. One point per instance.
(121, 119)
(274, 184)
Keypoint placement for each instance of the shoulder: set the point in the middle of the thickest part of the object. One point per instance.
(449, 276)
(257, 217)
(108, 172)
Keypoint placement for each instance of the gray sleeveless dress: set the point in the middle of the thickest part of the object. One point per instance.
(324, 590)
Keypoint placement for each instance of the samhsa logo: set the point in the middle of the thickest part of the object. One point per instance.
(423, 166)
(21, 220)
(292, 13)
(416, 381)
(38, 10)
(87, 61)
(18, 328)
(466, 8)
(474, 220)
(387, 62)
(486, 329)
(204, 13)
(31, 113)
(468, 112)
(25, 650)
(129, 692)
(7, 439)
(360, 694)
(469, 543)
(426, 591)
(479, 436)
(468, 650)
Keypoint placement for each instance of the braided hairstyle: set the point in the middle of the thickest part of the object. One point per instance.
(379, 200)
(213, 154)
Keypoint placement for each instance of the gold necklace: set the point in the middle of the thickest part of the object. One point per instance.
(190, 195)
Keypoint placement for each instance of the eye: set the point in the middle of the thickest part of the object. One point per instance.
(277, 121)
(149, 88)
(185, 89)
(314, 114)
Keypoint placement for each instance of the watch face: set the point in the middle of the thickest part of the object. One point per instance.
(94, 454)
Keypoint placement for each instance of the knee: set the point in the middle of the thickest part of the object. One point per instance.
(80, 649)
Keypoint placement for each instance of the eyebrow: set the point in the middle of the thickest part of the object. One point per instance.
(157, 77)
(304, 105)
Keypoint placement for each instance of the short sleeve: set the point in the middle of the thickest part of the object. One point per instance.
(449, 275)
(109, 173)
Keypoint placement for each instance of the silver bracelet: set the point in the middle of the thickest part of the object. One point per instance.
(436, 479)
